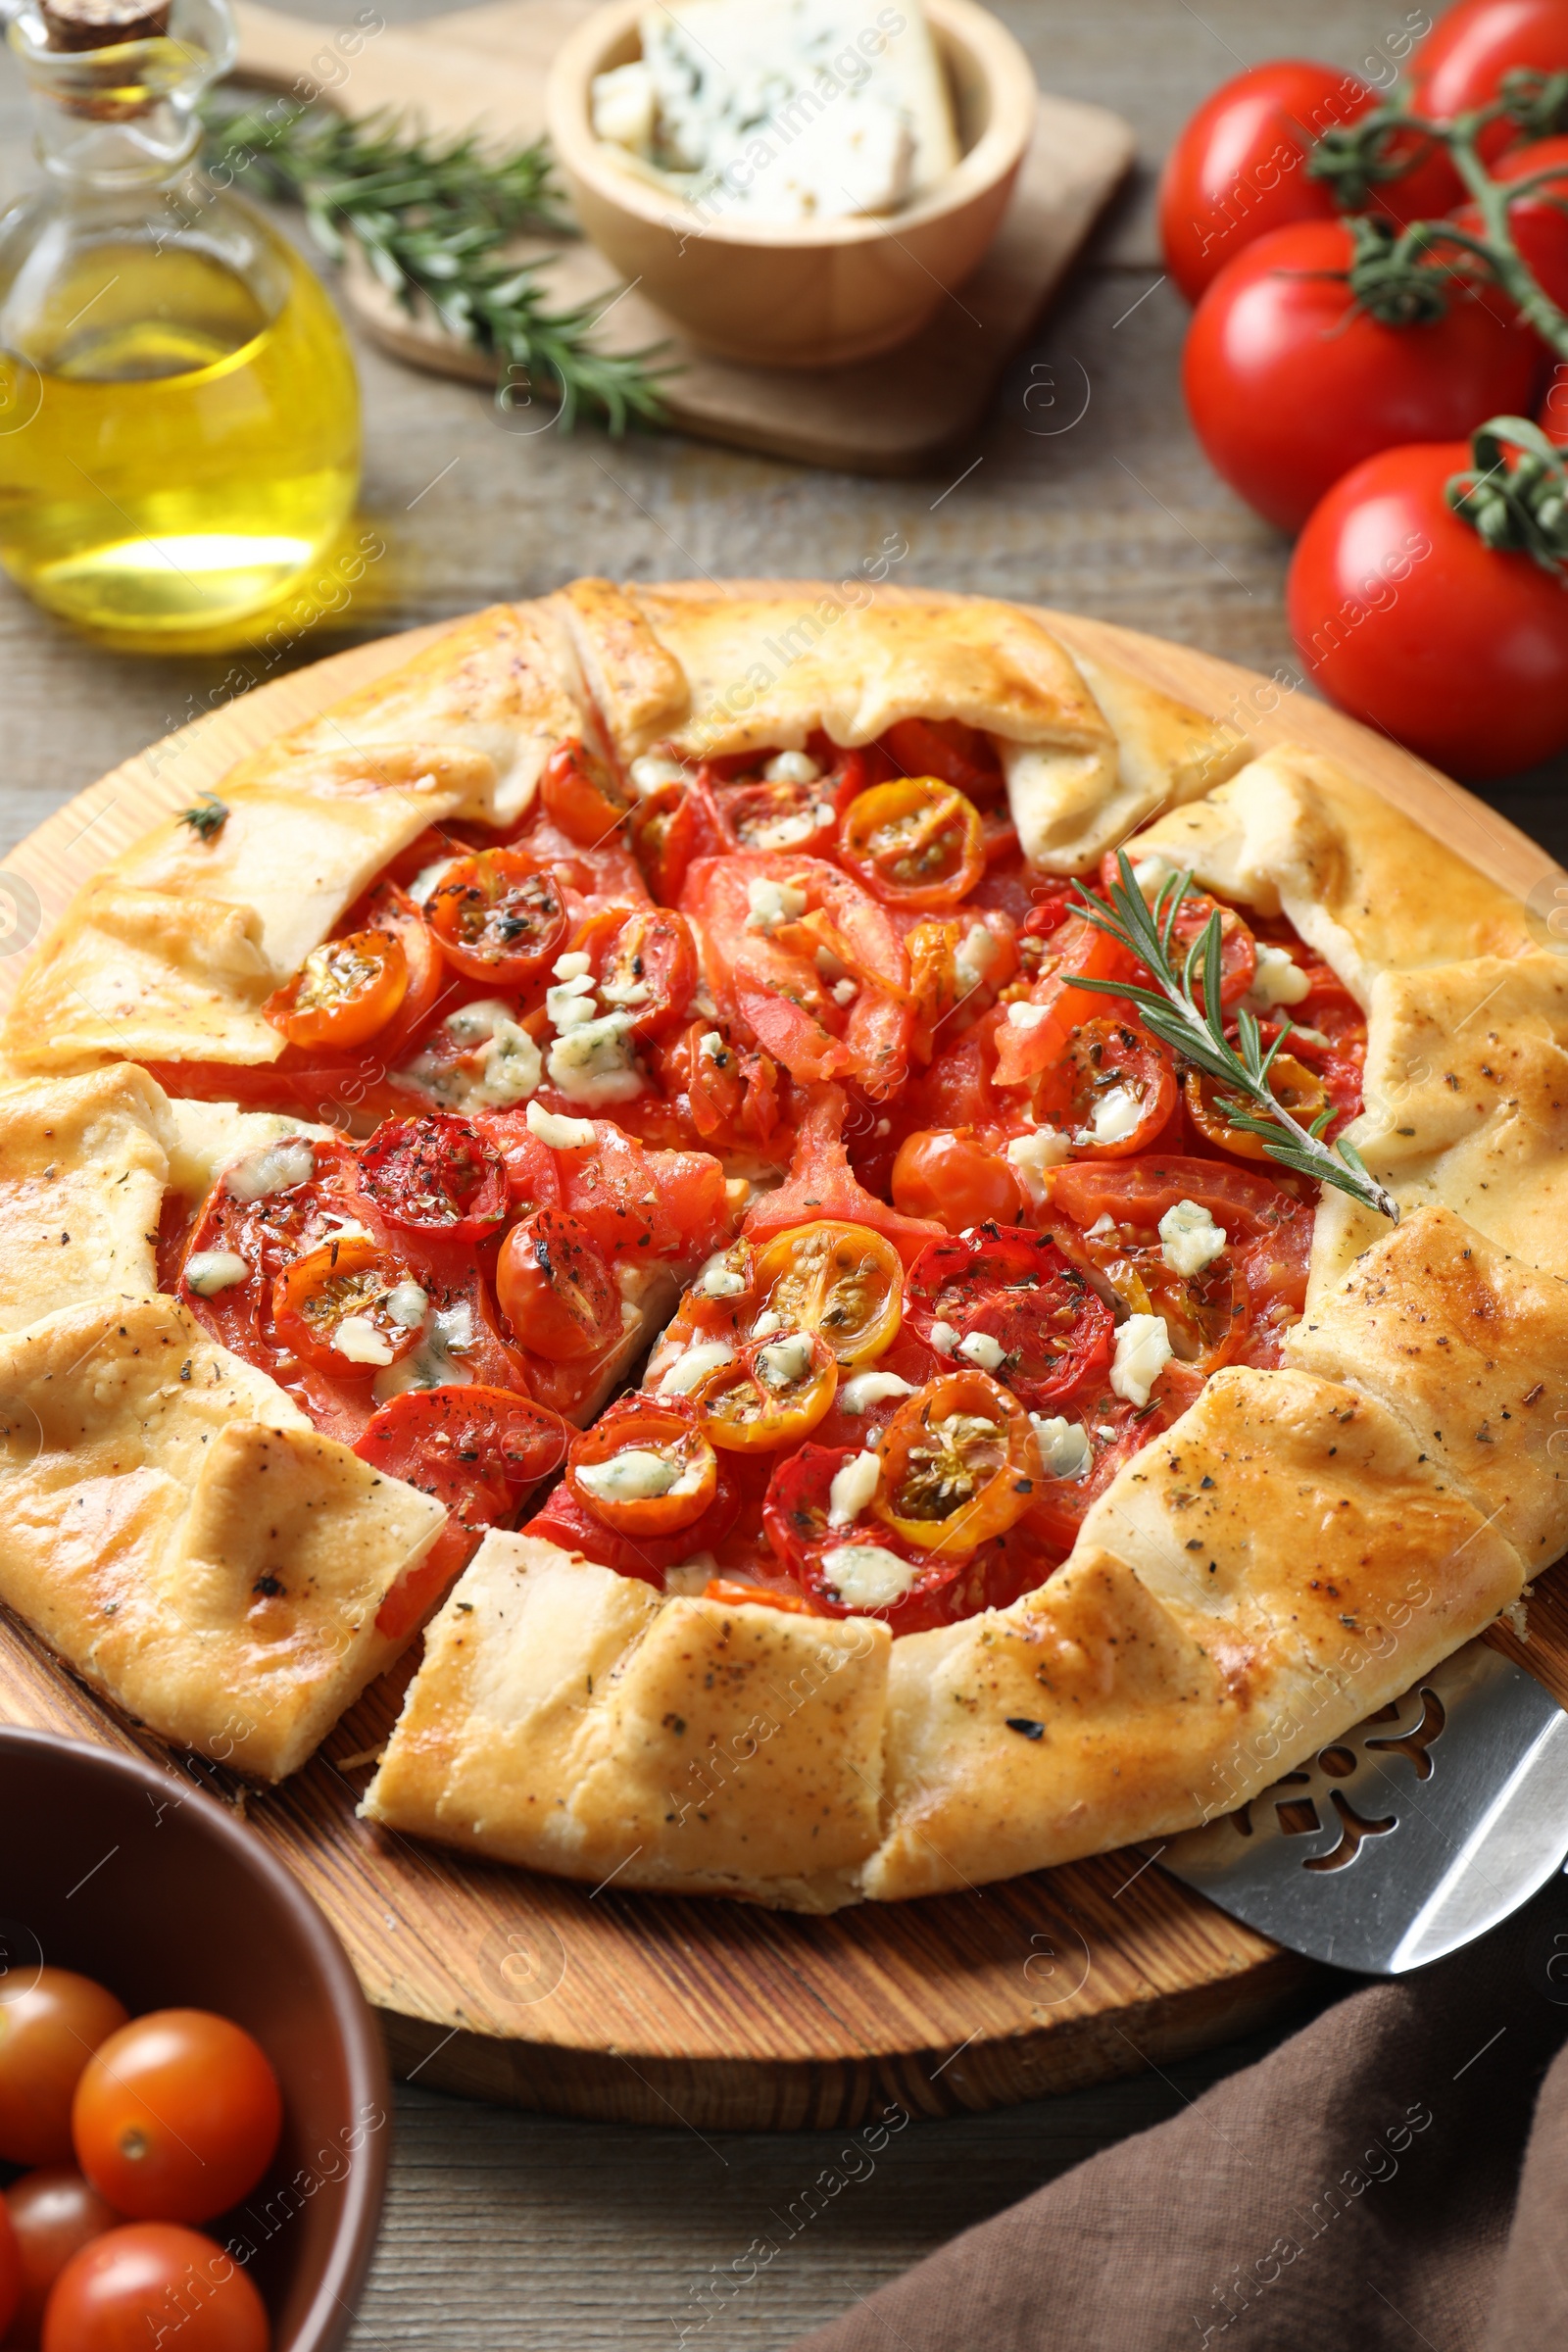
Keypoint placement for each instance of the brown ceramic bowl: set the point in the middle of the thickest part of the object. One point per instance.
(116, 1867)
(791, 295)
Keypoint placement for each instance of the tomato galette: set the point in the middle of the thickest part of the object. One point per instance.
(909, 1265)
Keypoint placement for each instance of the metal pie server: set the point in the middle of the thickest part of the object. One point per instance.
(1410, 1836)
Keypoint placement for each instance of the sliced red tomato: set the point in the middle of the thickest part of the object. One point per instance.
(663, 839)
(499, 916)
(344, 991)
(556, 1288)
(916, 843)
(956, 1179)
(1112, 1090)
(773, 1393)
(1269, 1224)
(780, 966)
(435, 1175)
(820, 1183)
(348, 1307)
(958, 1464)
(580, 795)
(1017, 1290)
(761, 813)
(729, 1092)
(640, 1205)
(477, 1451)
(533, 1178)
(644, 963)
(645, 1468)
(1032, 1036)
(1238, 947)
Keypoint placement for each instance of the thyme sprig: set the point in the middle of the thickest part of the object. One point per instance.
(433, 220)
(1193, 1028)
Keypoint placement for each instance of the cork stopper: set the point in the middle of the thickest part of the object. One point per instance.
(103, 23)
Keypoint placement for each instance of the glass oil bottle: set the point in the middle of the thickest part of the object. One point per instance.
(178, 407)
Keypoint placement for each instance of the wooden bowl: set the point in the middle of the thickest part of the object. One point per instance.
(117, 1867)
(787, 295)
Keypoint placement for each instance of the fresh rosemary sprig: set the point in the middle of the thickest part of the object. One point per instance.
(1196, 1031)
(433, 219)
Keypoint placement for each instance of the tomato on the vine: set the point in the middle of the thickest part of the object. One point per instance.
(1408, 620)
(1461, 62)
(1289, 383)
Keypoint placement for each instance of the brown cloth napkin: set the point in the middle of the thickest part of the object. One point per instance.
(1394, 2176)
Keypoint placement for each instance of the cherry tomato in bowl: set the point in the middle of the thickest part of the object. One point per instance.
(1462, 61)
(176, 2116)
(54, 2212)
(1289, 385)
(141, 2284)
(51, 2021)
(1404, 617)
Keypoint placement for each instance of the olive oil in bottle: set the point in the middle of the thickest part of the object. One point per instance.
(178, 411)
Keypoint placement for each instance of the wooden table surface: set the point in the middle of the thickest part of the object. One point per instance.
(508, 2231)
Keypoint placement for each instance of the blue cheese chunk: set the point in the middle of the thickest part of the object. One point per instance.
(1142, 1350)
(1064, 1446)
(853, 1487)
(275, 1169)
(636, 1475)
(595, 1063)
(208, 1271)
(866, 1576)
(1190, 1238)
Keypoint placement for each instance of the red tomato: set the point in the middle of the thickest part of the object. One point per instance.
(1028, 1047)
(578, 793)
(347, 1308)
(176, 2116)
(153, 2283)
(1465, 57)
(961, 755)
(569, 1521)
(820, 1183)
(1017, 1288)
(640, 1205)
(477, 1451)
(1289, 385)
(54, 2214)
(556, 1290)
(1108, 1070)
(956, 1179)
(731, 1094)
(1406, 619)
(390, 909)
(16, 2299)
(345, 991)
(50, 2025)
(796, 1522)
(436, 1175)
(500, 917)
(1238, 168)
(1538, 223)
(645, 1434)
(663, 839)
(644, 962)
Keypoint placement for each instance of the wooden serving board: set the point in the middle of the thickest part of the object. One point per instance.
(898, 413)
(630, 2007)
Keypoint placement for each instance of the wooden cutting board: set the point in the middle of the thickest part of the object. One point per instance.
(897, 415)
(630, 2007)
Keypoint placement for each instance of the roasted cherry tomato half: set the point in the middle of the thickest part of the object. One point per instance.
(773, 1392)
(1238, 949)
(499, 916)
(1112, 1090)
(176, 2116)
(1295, 1087)
(389, 909)
(435, 1174)
(916, 843)
(956, 1179)
(151, 2278)
(556, 1288)
(582, 794)
(344, 991)
(51, 2020)
(958, 1464)
(644, 964)
(345, 1307)
(844, 1281)
(1014, 1304)
(645, 1468)
(774, 816)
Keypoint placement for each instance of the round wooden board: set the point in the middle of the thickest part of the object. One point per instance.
(641, 2008)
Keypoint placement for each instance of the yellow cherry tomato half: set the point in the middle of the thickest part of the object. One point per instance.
(842, 1280)
(916, 843)
(646, 1469)
(959, 1464)
(344, 991)
(772, 1394)
(1299, 1090)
